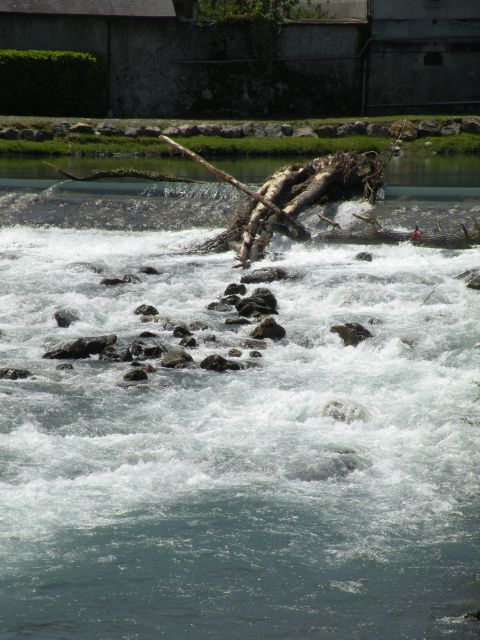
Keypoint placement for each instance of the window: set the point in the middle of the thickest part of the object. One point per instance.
(433, 59)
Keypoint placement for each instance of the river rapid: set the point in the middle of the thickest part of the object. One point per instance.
(211, 506)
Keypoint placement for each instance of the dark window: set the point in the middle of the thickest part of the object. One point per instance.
(433, 59)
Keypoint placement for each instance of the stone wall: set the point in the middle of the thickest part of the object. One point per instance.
(165, 68)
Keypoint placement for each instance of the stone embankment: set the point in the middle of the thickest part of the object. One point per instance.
(406, 130)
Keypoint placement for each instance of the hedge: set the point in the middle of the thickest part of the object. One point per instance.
(52, 83)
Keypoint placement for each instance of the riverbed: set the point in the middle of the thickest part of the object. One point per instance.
(235, 505)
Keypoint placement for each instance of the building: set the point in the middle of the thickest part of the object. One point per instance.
(423, 56)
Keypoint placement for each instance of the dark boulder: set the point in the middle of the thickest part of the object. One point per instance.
(197, 325)
(237, 321)
(231, 299)
(326, 131)
(135, 375)
(130, 278)
(189, 342)
(262, 302)
(429, 128)
(268, 328)
(269, 274)
(64, 366)
(149, 271)
(176, 359)
(219, 363)
(234, 288)
(180, 331)
(153, 350)
(474, 283)
(65, 317)
(14, 374)
(267, 296)
(113, 354)
(255, 354)
(146, 310)
(219, 306)
(352, 333)
(472, 615)
(471, 125)
(235, 353)
(365, 256)
(112, 282)
(81, 348)
(148, 334)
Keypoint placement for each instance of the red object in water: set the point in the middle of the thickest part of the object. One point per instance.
(416, 234)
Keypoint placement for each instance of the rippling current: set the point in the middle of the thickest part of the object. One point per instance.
(214, 506)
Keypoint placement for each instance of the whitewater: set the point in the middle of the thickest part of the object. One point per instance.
(206, 505)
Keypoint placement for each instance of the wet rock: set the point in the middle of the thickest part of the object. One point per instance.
(469, 274)
(268, 328)
(147, 367)
(146, 310)
(210, 338)
(189, 342)
(176, 359)
(148, 334)
(197, 325)
(153, 351)
(81, 348)
(149, 271)
(232, 299)
(267, 296)
(262, 302)
(474, 283)
(113, 354)
(352, 333)
(326, 131)
(86, 266)
(219, 363)
(472, 615)
(375, 321)
(378, 130)
(269, 274)
(237, 321)
(234, 289)
(64, 366)
(235, 353)
(135, 375)
(82, 127)
(164, 321)
(344, 411)
(65, 317)
(14, 374)
(180, 331)
(365, 256)
(248, 343)
(255, 354)
(428, 128)
(130, 278)
(112, 282)
(219, 306)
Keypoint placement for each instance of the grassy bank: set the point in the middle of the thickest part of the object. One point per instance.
(217, 146)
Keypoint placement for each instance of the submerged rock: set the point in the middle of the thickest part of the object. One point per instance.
(219, 363)
(365, 256)
(65, 317)
(176, 359)
(197, 325)
(219, 306)
(14, 374)
(344, 411)
(146, 310)
(135, 375)
(237, 321)
(352, 333)
(149, 271)
(268, 328)
(181, 331)
(265, 275)
(189, 342)
(81, 348)
(234, 288)
(64, 366)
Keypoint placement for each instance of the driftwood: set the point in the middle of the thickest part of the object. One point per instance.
(379, 235)
(122, 173)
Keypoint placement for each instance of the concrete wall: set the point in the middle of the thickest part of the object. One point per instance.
(165, 68)
(425, 9)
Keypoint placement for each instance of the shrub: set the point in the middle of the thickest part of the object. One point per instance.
(52, 83)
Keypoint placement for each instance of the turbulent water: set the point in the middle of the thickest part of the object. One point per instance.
(213, 506)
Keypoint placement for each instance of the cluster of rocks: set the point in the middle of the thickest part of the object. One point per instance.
(409, 130)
